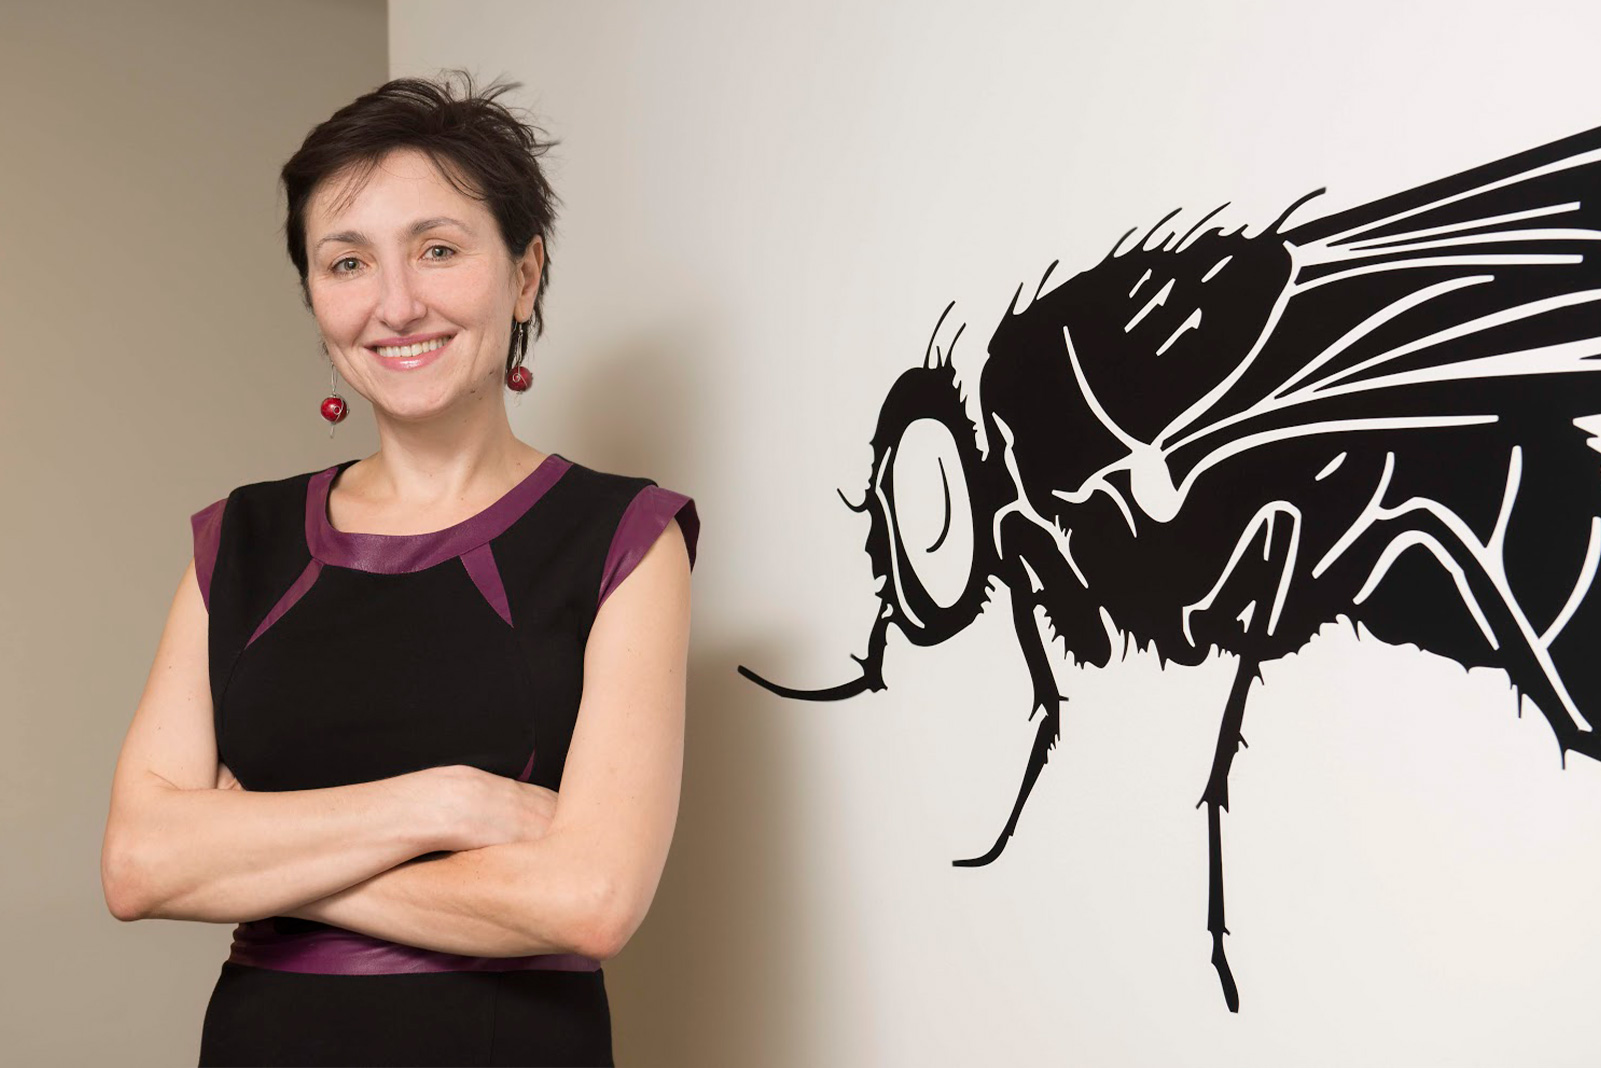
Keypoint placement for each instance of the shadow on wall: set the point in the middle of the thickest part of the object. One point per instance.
(718, 973)
(639, 406)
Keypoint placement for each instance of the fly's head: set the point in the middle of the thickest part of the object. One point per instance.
(929, 538)
(929, 535)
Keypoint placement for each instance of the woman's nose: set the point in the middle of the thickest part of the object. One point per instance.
(399, 303)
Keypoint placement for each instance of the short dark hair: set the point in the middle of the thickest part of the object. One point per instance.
(477, 143)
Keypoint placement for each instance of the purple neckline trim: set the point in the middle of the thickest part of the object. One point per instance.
(336, 951)
(393, 554)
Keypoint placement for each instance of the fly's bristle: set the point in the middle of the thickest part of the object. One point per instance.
(1113, 253)
(1011, 305)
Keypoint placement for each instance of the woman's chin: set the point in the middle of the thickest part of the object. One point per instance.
(417, 408)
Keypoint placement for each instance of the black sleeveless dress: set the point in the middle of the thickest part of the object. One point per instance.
(340, 658)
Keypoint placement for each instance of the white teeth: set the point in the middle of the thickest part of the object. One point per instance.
(411, 350)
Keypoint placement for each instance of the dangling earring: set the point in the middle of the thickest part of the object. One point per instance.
(518, 377)
(334, 407)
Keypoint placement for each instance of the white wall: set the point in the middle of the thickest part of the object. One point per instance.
(767, 208)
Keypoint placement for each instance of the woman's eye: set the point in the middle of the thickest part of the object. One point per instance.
(340, 268)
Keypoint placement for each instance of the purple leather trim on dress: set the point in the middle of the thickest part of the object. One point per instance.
(336, 951)
(480, 565)
(642, 523)
(529, 770)
(296, 590)
(394, 554)
(207, 527)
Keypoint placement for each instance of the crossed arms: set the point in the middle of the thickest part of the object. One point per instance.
(528, 871)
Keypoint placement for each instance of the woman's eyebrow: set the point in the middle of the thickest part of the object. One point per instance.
(356, 237)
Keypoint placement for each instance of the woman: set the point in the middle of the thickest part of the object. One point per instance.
(374, 677)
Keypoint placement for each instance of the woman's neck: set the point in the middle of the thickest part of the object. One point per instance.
(436, 467)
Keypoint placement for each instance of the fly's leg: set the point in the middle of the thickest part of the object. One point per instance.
(1037, 573)
(1216, 799)
(1045, 699)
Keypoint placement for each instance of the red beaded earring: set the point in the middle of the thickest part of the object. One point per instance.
(518, 377)
(334, 408)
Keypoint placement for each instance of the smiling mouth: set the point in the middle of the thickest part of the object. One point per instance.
(411, 351)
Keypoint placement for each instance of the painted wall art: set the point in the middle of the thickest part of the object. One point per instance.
(1220, 440)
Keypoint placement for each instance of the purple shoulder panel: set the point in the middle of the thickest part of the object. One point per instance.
(642, 523)
(207, 527)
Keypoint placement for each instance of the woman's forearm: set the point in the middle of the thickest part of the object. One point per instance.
(227, 856)
(509, 900)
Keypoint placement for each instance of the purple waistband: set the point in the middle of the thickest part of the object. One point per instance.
(336, 951)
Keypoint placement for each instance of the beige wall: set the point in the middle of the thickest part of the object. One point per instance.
(156, 355)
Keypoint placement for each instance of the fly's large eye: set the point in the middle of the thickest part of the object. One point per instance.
(933, 516)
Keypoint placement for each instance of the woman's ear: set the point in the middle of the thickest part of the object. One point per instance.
(530, 267)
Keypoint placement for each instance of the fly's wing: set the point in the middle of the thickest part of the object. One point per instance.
(1454, 301)
(1475, 298)
(1455, 328)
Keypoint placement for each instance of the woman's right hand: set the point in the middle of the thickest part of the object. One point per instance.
(482, 809)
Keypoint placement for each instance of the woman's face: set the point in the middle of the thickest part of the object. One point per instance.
(411, 261)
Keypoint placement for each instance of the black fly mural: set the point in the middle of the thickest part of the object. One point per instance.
(1228, 440)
